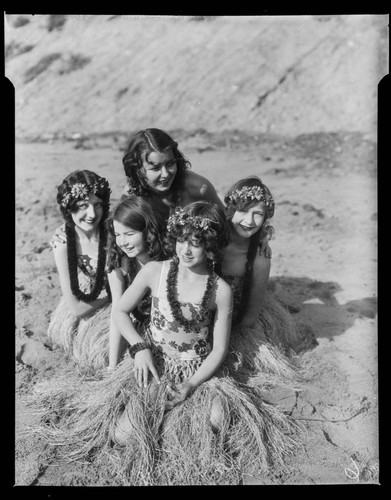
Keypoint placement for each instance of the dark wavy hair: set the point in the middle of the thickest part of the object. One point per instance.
(146, 141)
(214, 239)
(136, 213)
(87, 178)
(255, 240)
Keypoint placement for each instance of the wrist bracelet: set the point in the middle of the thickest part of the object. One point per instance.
(135, 348)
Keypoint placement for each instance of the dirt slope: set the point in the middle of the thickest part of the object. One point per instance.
(287, 75)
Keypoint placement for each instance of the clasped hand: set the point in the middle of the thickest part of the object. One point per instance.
(177, 394)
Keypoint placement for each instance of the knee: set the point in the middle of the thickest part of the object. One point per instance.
(123, 431)
(217, 414)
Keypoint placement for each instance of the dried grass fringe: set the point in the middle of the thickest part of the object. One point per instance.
(168, 448)
(86, 340)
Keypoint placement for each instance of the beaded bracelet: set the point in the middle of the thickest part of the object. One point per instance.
(135, 348)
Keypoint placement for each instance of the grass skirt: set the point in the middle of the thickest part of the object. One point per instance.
(270, 347)
(86, 340)
(175, 447)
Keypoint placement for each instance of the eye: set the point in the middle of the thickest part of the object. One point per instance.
(82, 206)
(99, 204)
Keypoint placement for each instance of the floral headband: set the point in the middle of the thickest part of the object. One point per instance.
(251, 193)
(194, 222)
(81, 191)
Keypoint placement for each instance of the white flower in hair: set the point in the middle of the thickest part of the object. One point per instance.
(251, 193)
(79, 191)
(181, 218)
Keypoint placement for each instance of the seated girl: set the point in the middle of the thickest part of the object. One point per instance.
(167, 415)
(84, 200)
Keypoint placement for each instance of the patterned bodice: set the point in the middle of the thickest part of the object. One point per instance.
(170, 337)
(87, 267)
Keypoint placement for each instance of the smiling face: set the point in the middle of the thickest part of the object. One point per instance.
(247, 222)
(191, 252)
(89, 213)
(130, 241)
(159, 170)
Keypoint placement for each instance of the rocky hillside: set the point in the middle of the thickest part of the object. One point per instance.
(83, 75)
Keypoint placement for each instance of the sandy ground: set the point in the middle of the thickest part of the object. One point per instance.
(324, 268)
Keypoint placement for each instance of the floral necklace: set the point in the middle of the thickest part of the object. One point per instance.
(175, 307)
(72, 263)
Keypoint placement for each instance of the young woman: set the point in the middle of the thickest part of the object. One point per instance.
(133, 240)
(167, 415)
(84, 200)
(156, 169)
(263, 330)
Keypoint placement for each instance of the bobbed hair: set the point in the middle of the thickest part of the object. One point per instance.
(148, 141)
(88, 179)
(136, 213)
(214, 239)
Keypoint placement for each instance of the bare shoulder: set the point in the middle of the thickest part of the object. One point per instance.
(197, 185)
(224, 291)
(152, 268)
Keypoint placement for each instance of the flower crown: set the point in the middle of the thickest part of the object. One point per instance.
(81, 191)
(194, 222)
(251, 193)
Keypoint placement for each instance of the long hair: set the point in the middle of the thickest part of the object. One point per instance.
(136, 213)
(145, 142)
(76, 186)
(204, 221)
(244, 203)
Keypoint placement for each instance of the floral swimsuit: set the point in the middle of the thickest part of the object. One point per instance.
(178, 353)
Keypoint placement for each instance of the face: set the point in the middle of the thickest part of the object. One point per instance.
(89, 213)
(129, 240)
(160, 170)
(248, 222)
(191, 253)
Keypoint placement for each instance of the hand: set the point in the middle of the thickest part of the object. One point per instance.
(59, 237)
(177, 394)
(143, 364)
(265, 249)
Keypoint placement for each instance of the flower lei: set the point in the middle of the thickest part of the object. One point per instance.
(81, 191)
(195, 222)
(72, 264)
(175, 307)
(252, 193)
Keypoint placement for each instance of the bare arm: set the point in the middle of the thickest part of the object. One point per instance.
(78, 307)
(258, 289)
(221, 333)
(117, 288)
(143, 282)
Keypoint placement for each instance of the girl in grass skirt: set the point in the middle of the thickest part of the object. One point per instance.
(168, 415)
(84, 200)
(264, 337)
(132, 240)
